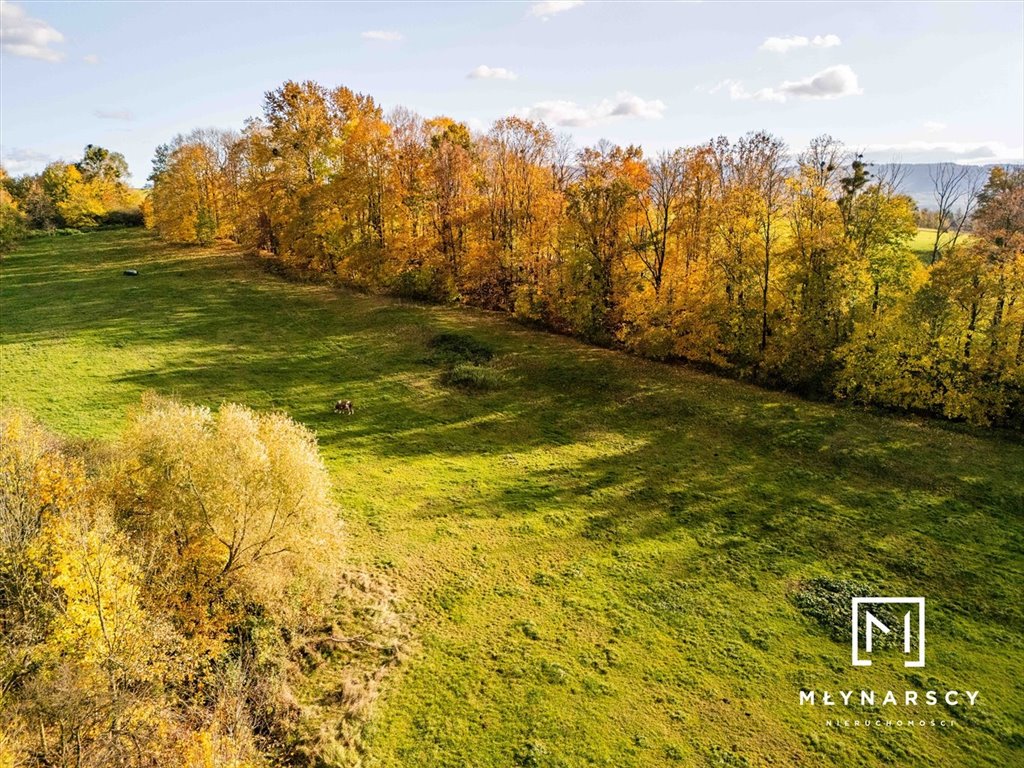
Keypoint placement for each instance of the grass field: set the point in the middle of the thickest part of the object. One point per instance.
(922, 244)
(598, 556)
(924, 241)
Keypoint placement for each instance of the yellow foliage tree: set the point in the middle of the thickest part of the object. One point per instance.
(233, 504)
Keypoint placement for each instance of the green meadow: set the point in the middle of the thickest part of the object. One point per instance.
(922, 244)
(924, 241)
(600, 558)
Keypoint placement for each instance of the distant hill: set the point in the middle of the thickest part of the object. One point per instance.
(917, 178)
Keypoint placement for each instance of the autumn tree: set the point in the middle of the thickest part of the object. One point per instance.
(410, 145)
(791, 270)
(79, 653)
(654, 237)
(301, 128)
(601, 203)
(80, 195)
(195, 195)
(232, 502)
(822, 284)
(153, 590)
(515, 185)
(663, 197)
(879, 225)
(358, 186)
(999, 224)
(450, 185)
(12, 220)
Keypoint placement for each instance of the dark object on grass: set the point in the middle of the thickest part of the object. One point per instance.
(471, 378)
(131, 273)
(828, 601)
(454, 348)
(344, 406)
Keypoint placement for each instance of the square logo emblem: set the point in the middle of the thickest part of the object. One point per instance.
(869, 629)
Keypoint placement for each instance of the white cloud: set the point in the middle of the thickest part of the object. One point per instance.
(549, 8)
(786, 44)
(920, 151)
(569, 114)
(383, 35)
(483, 72)
(18, 161)
(933, 126)
(734, 87)
(92, 58)
(114, 114)
(831, 83)
(22, 35)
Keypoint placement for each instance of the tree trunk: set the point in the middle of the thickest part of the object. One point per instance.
(764, 296)
(997, 315)
(971, 325)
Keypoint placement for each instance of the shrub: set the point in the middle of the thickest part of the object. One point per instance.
(828, 602)
(162, 594)
(453, 348)
(12, 227)
(423, 284)
(245, 493)
(471, 378)
(60, 232)
(124, 217)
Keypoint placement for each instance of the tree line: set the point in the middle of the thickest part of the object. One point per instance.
(83, 195)
(789, 269)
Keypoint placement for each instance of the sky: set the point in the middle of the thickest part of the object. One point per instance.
(915, 82)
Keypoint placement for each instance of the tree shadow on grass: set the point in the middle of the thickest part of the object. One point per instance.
(641, 451)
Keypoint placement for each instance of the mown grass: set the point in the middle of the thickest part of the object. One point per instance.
(922, 245)
(924, 241)
(599, 557)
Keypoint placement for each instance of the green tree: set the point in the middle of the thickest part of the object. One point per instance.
(100, 163)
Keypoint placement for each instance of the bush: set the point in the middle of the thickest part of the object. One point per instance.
(204, 544)
(471, 378)
(423, 284)
(829, 601)
(61, 232)
(124, 217)
(12, 227)
(454, 348)
(247, 490)
(206, 227)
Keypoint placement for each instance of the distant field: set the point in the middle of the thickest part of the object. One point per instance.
(598, 556)
(924, 241)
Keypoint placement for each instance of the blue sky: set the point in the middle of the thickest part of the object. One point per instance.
(916, 81)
